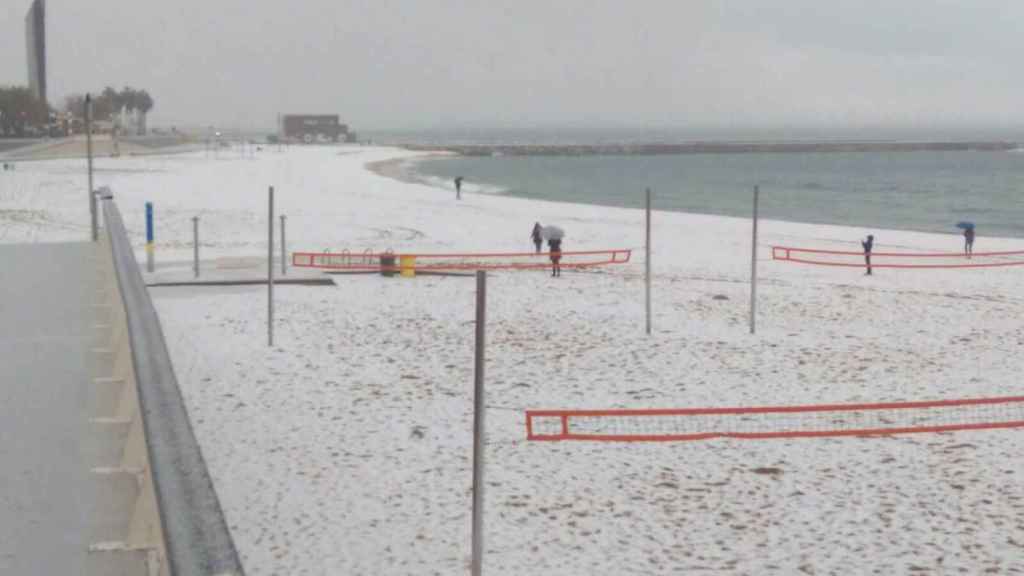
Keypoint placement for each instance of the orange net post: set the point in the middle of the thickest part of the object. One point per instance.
(824, 420)
(461, 261)
(854, 259)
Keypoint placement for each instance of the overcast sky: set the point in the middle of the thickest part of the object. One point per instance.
(447, 63)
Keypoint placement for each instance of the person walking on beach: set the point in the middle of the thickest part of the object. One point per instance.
(538, 240)
(868, 244)
(458, 187)
(555, 247)
(969, 241)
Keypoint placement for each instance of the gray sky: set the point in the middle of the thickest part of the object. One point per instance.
(447, 63)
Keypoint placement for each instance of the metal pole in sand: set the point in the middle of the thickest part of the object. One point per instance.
(195, 245)
(88, 154)
(647, 263)
(478, 426)
(270, 269)
(284, 251)
(753, 268)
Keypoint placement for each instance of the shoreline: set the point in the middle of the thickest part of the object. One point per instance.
(398, 169)
(710, 148)
(395, 168)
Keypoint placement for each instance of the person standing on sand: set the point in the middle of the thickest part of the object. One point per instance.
(969, 241)
(538, 240)
(555, 246)
(458, 187)
(868, 244)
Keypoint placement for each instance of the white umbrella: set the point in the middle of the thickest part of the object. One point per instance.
(549, 232)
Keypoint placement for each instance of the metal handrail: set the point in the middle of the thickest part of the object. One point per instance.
(195, 532)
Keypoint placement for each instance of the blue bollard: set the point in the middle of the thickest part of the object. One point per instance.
(149, 237)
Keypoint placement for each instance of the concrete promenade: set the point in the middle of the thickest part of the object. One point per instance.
(47, 320)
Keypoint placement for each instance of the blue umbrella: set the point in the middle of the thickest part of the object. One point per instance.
(965, 225)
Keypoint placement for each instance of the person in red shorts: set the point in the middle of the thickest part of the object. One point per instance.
(555, 247)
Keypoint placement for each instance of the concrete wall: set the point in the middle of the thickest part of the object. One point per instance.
(129, 539)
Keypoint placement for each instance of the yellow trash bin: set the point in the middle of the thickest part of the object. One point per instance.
(407, 264)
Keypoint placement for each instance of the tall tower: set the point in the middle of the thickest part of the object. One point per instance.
(35, 43)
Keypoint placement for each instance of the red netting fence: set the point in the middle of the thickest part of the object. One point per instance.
(387, 261)
(854, 259)
(775, 422)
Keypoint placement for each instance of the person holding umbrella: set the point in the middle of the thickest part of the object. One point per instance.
(554, 234)
(968, 228)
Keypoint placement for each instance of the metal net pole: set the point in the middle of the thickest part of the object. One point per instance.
(478, 425)
(753, 268)
(284, 250)
(647, 263)
(195, 245)
(270, 269)
(88, 152)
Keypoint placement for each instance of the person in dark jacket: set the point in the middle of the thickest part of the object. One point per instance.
(968, 241)
(538, 239)
(868, 244)
(458, 187)
(555, 247)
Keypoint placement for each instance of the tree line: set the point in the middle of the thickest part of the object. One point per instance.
(20, 109)
(110, 102)
(21, 112)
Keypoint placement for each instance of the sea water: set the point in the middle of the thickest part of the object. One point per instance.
(925, 191)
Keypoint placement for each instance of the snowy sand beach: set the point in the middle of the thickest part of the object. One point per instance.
(345, 448)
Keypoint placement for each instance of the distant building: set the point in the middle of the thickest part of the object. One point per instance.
(310, 128)
(35, 43)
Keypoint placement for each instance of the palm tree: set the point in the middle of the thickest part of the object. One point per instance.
(112, 103)
(128, 99)
(144, 102)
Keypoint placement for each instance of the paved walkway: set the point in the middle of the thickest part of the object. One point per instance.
(46, 328)
(8, 145)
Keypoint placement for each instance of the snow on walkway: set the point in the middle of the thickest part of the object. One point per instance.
(345, 448)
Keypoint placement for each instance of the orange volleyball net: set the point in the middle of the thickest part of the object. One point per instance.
(855, 259)
(823, 420)
(387, 261)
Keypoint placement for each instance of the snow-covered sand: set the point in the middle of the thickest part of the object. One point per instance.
(345, 448)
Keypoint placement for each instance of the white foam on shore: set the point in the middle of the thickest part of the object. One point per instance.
(344, 449)
(407, 169)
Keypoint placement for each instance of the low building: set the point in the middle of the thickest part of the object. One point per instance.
(310, 128)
